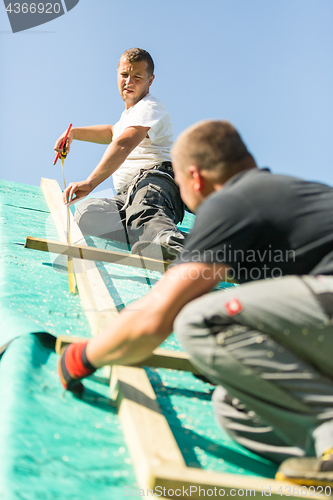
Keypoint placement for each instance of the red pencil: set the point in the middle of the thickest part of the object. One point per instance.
(62, 144)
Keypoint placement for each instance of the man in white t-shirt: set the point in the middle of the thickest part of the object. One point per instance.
(147, 207)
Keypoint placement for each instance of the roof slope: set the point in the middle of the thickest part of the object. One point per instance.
(53, 445)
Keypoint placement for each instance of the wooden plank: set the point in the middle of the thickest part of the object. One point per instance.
(148, 435)
(172, 360)
(53, 196)
(160, 358)
(157, 460)
(146, 430)
(201, 484)
(70, 264)
(96, 254)
(96, 300)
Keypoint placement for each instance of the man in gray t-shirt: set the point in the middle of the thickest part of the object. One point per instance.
(267, 344)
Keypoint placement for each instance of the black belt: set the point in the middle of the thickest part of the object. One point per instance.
(165, 166)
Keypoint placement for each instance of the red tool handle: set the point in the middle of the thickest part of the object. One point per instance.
(62, 144)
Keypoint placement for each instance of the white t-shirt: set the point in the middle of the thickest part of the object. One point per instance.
(148, 112)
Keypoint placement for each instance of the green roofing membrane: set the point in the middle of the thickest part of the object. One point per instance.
(33, 290)
(52, 444)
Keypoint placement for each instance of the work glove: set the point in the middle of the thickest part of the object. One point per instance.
(73, 366)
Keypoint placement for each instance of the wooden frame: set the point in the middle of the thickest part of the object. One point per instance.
(96, 300)
(157, 460)
(96, 254)
(160, 358)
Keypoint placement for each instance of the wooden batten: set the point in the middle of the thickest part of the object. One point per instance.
(160, 358)
(96, 254)
(95, 298)
(146, 430)
(203, 484)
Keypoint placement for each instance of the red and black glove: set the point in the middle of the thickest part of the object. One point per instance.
(73, 366)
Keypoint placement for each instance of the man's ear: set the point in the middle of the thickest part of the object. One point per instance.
(151, 79)
(198, 180)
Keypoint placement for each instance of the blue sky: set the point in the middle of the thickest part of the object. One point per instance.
(265, 65)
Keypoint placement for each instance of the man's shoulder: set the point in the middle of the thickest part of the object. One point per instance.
(149, 100)
(265, 193)
(249, 189)
(257, 182)
(246, 181)
(249, 177)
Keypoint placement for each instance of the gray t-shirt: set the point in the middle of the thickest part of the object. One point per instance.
(265, 226)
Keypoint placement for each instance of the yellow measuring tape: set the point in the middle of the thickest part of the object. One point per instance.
(71, 275)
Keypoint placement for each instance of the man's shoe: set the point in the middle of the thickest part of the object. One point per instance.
(158, 251)
(308, 471)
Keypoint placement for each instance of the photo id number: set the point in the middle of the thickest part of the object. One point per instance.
(34, 8)
(303, 491)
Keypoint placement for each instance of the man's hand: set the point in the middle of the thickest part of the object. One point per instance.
(79, 189)
(73, 366)
(68, 142)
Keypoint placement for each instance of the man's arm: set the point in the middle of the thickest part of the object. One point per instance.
(143, 326)
(115, 154)
(99, 134)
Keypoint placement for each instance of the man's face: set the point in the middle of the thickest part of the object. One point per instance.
(133, 81)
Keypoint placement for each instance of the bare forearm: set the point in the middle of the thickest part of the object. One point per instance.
(113, 157)
(146, 323)
(129, 340)
(115, 154)
(143, 326)
(99, 134)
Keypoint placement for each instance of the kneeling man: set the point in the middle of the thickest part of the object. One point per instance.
(267, 344)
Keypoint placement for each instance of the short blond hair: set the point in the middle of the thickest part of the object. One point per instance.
(214, 146)
(137, 55)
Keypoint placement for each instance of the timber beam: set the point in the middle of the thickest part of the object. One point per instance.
(95, 254)
(160, 358)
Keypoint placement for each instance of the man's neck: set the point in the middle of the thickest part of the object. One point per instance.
(130, 105)
(235, 173)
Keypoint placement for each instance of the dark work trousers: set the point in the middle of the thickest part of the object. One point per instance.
(147, 209)
(268, 345)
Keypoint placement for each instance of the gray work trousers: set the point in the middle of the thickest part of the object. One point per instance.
(146, 209)
(268, 345)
